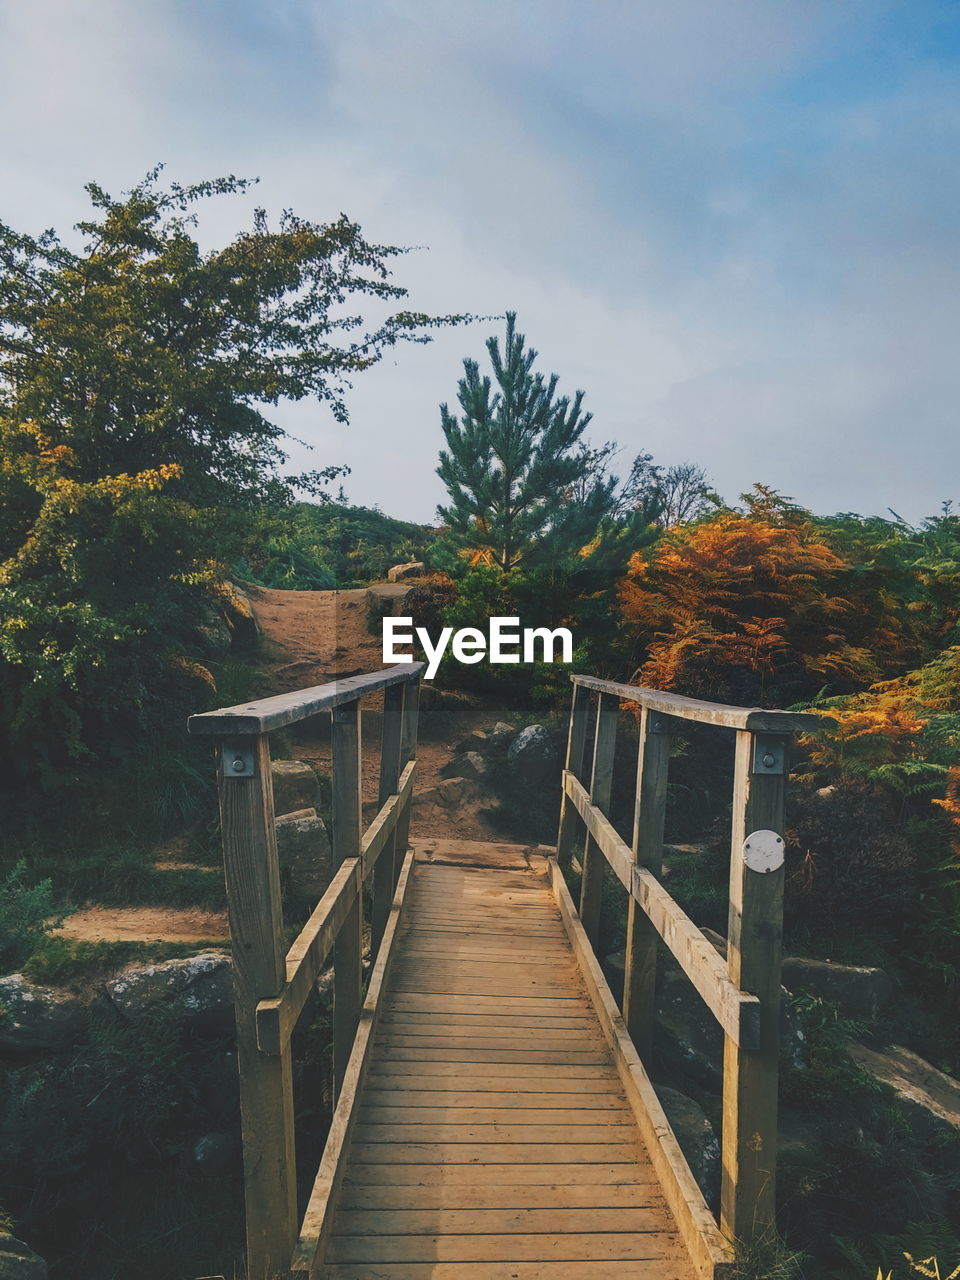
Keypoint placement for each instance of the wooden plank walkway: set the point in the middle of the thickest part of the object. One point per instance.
(493, 1138)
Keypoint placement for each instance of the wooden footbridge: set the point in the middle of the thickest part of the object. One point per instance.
(494, 1117)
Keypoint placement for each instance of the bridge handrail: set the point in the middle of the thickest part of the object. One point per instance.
(741, 990)
(272, 983)
(754, 719)
(284, 709)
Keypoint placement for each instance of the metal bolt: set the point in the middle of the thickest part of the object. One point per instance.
(769, 761)
(238, 765)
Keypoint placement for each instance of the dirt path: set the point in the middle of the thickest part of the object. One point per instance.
(311, 637)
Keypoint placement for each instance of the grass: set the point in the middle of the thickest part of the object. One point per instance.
(64, 962)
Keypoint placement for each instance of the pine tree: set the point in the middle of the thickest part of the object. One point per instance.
(513, 463)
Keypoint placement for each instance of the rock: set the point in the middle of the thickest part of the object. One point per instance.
(501, 732)
(478, 740)
(857, 990)
(295, 786)
(306, 860)
(468, 765)
(696, 1139)
(198, 990)
(533, 754)
(399, 572)
(34, 1017)
(930, 1097)
(449, 794)
(691, 1038)
(18, 1261)
(216, 1152)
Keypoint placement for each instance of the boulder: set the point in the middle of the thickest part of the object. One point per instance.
(306, 859)
(34, 1017)
(931, 1098)
(449, 794)
(18, 1261)
(691, 1039)
(198, 990)
(213, 636)
(295, 786)
(857, 990)
(696, 1138)
(470, 764)
(533, 754)
(400, 572)
(478, 740)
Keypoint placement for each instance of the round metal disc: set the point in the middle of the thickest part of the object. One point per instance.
(763, 851)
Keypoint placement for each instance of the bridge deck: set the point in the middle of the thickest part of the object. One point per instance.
(493, 1137)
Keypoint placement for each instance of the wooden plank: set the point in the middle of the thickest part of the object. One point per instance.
(601, 783)
(756, 719)
(439, 1002)
(708, 1249)
(514, 1153)
(305, 960)
(547, 1038)
(347, 972)
(577, 1096)
(643, 1246)
(540, 1134)
(554, 1057)
(532, 1113)
(266, 1083)
(584, 1195)
(581, 1269)
(569, 827)
(517, 1072)
(409, 1021)
(283, 709)
(558, 1173)
(755, 929)
(640, 972)
(318, 1216)
(512, 1220)
(735, 1010)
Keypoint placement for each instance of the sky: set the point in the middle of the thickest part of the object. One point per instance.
(733, 224)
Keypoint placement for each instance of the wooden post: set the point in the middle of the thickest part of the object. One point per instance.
(408, 752)
(256, 934)
(601, 783)
(640, 973)
(347, 972)
(570, 824)
(748, 1190)
(383, 872)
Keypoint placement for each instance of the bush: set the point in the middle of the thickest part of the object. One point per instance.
(26, 912)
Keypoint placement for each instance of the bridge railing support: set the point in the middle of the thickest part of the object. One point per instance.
(742, 993)
(272, 984)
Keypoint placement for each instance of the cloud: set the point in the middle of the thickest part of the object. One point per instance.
(733, 223)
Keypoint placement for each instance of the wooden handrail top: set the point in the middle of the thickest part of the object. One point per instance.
(754, 719)
(287, 708)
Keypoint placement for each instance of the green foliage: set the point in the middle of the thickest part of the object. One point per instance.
(26, 912)
(311, 546)
(57, 961)
(522, 488)
(136, 379)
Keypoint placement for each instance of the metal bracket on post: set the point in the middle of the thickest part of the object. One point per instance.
(238, 759)
(345, 713)
(656, 723)
(769, 755)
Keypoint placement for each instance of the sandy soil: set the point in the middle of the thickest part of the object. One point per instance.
(145, 924)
